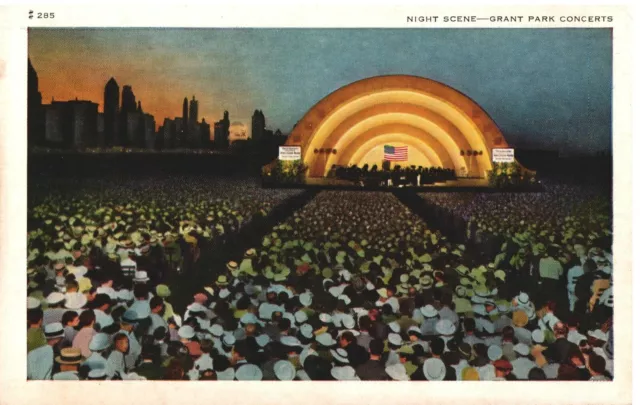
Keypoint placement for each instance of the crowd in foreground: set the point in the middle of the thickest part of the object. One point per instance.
(353, 286)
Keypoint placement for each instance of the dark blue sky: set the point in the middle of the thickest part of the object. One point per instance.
(545, 88)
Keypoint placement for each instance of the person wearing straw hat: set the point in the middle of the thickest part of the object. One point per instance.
(520, 321)
(40, 361)
(69, 360)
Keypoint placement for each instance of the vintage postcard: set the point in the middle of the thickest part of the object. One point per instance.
(315, 203)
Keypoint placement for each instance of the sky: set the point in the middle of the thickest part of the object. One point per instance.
(545, 88)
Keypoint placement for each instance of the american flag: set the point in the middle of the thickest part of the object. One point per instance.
(396, 153)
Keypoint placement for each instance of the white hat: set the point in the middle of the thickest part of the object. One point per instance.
(523, 299)
(263, 340)
(445, 327)
(229, 339)
(284, 370)
(345, 299)
(325, 339)
(226, 375)
(249, 372)
(429, 311)
(290, 341)
(53, 330)
(55, 298)
(302, 375)
(224, 293)
(125, 295)
(395, 339)
(33, 303)
(397, 372)
(75, 300)
(108, 291)
(305, 299)
(306, 330)
(434, 369)
(344, 373)
(99, 342)
(248, 318)
(290, 317)
(140, 276)
(340, 355)
(325, 318)
(348, 322)
(404, 278)
(537, 336)
(598, 334)
(414, 329)
(216, 330)
(394, 326)
(66, 376)
(521, 349)
(186, 332)
(300, 317)
(494, 352)
(97, 374)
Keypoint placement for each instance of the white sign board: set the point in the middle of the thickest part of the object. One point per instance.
(290, 153)
(503, 155)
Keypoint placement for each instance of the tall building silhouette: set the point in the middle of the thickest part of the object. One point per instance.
(35, 111)
(205, 134)
(128, 100)
(221, 132)
(111, 111)
(194, 140)
(129, 119)
(258, 125)
(193, 111)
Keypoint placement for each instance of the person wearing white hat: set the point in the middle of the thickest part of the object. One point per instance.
(344, 373)
(397, 372)
(522, 364)
(494, 352)
(134, 349)
(248, 372)
(325, 339)
(98, 345)
(446, 329)
(40, 361)
(434, 369)
(55, 308)
(75, 301)
(284, 370)
(431, 318)
(305, 299)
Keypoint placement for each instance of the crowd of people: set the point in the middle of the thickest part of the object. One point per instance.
(352, 286)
